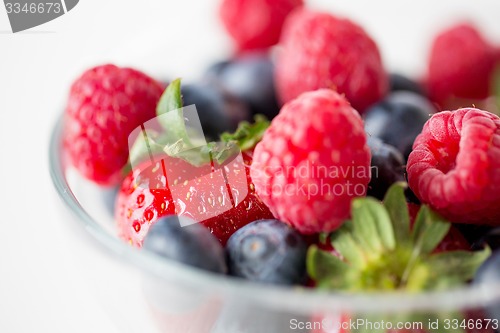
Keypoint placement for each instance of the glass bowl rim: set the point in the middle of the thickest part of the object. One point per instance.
(296, 299)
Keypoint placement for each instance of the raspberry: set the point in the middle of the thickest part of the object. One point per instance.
(455, 166)
(256, 24)
(324, 51)
(105, 104)
(312, 161)
(461, 65)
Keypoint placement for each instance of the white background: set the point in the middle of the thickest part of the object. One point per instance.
(41, 289)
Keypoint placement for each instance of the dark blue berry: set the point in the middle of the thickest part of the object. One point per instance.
(482, 236)
(218, 111)
(387, 167)
(267, 251)
(189, 243)
(249, 77)
(213, 72)
(489, 276)
(398, 119)
(398, 82)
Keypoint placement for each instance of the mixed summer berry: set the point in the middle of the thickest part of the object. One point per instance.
(183, 240)
(218, 111)
(320, 50)
(249, 77)
(398, 82)
(398, 119)
(374, 250)
(312, 161)
(455, 166)
(328, 168)
(217, 193)
(387, 167)
(267, 251)
(255, 24)
(105, 104)
(461, 66)
(141, 202)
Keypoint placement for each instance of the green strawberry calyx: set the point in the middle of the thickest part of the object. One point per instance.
(247, 135)
(177, 139)
(378, 250)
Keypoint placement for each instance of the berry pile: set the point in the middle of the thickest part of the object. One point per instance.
(315, 167)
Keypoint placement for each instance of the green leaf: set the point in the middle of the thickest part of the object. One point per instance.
(175, 129)
(177, 140)
(170, 115)
(416, 277)
(370, 257)
(247, 135)
(328, 270)
(346, 245)
(462, 265)
(395, 203)
(323, 237)
(171, 99)
(372, 225)
(429, 230)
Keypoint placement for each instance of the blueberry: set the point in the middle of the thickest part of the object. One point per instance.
(249, 77)
(398, 119)
(489, 275)
(267, 251)
(398, 82)
(387, 167)
(484, 235)
(218, 111)
(188, 242)
(213, 72)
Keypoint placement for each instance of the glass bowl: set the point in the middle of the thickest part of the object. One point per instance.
(143, 292)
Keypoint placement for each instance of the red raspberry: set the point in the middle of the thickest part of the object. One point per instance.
(324, 51)
(455, 163)
(256, 24)
(105, 104)
(461, 65)
(312, 161)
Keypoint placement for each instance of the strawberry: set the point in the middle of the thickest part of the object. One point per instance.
(379, 249)
(217, 193)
